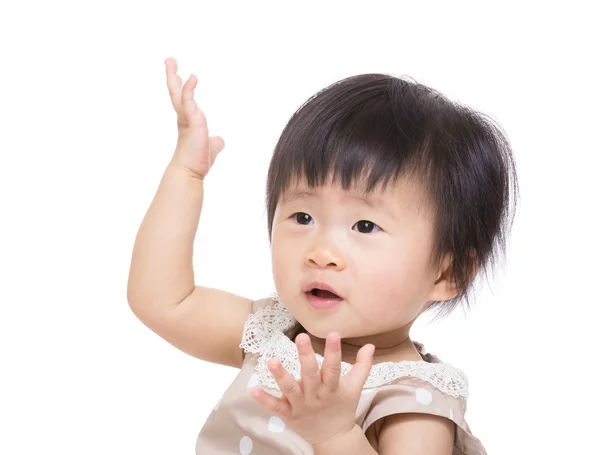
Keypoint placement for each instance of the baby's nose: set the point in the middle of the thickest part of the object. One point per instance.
(325, 257)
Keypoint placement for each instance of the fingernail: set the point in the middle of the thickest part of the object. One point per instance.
(302, 341)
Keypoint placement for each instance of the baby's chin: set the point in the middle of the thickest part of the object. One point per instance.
(320, 328)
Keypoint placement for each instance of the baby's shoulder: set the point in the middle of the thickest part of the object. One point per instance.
(268, 318)
(436, 389)
(267, 303)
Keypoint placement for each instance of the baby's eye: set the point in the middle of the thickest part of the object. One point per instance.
(366, 227)
(302, 218)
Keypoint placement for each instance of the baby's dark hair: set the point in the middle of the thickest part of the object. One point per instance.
(366, 131)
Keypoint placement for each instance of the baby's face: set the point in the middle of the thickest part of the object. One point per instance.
(374, 256)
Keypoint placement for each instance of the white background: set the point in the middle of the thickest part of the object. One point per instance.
(86, 130)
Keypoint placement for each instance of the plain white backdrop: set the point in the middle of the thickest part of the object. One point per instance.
(86, 130)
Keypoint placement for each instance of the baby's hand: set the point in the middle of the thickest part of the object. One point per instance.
(195, 151)
(321, 406)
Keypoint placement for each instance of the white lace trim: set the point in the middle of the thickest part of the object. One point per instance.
(264, 335)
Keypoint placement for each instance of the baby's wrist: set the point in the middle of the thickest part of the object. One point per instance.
(178, 168)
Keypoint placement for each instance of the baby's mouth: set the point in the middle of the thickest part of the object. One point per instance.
(324, 294)
(323, 299)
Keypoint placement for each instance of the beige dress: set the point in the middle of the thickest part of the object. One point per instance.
(239, 425)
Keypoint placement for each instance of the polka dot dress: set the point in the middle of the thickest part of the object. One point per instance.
(239, 425)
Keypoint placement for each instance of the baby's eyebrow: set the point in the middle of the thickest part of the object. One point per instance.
(373, 202)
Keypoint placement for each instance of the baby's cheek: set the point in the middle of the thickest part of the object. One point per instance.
(279, 263)
(375, 288)
(383, 275)
(393, 284)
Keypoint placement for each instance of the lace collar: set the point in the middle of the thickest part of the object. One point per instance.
(264, 335)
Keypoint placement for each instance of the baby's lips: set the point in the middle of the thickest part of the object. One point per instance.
(322, 286)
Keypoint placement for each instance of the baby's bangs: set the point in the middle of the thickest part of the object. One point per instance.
(363, 151)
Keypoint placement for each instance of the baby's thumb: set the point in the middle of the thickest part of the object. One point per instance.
(216, 145)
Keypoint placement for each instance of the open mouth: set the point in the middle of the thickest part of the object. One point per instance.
(324, 294)
(323, 299)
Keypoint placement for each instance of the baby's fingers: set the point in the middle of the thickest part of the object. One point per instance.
(174, 83)
(279, 406)
(359, 372)
(182, 97)
(192, 115)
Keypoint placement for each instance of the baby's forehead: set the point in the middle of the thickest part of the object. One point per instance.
(401, 194)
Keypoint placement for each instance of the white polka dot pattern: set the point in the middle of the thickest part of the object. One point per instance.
(245, 445)
(423, 396)
(276, 425)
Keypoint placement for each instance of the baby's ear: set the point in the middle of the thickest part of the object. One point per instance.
(445, 286)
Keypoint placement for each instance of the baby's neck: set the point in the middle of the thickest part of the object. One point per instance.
(404, 349)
